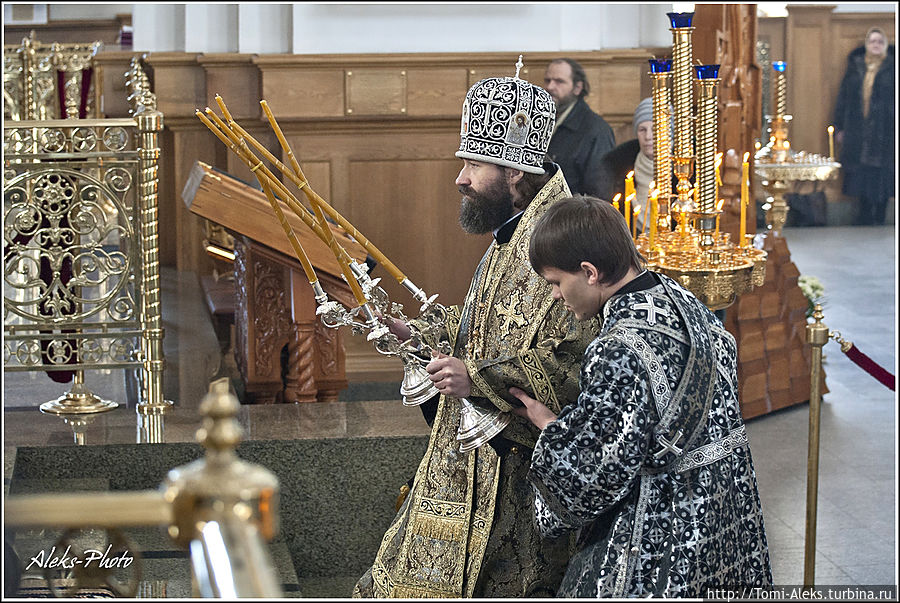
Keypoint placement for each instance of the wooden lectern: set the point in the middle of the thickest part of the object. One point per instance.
(274, 303)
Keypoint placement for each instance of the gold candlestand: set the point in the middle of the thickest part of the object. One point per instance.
(695, 255)
(778, 166)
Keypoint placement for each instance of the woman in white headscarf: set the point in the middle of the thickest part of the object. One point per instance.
(637, 155)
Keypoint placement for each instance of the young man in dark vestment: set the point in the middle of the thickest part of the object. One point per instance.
(651, 466)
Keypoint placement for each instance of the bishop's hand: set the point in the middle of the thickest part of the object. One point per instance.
(449, 375)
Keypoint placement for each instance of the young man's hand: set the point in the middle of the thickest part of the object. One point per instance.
(534, 411)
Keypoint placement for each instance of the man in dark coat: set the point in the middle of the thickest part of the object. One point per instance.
(864, 123)
(581, 137)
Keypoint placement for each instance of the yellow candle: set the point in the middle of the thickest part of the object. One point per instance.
(637, 211)
(718, 209)
(745, 197)
(646, 215)
(654, 210)
(718, 174)
(628, 211)
(629, 184)
(831, 141)
(616, 200)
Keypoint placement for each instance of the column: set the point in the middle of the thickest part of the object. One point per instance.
(211, 28)
(653, 26)
(265, 28)
(158, 27)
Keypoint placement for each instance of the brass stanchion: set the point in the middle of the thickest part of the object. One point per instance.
(817, 337)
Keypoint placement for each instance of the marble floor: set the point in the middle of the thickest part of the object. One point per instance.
(856, 540)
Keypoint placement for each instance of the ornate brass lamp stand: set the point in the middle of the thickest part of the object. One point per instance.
(778, 166)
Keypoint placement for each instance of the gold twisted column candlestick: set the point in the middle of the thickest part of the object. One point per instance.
(707, 135)
(682, 53)
(660, 75)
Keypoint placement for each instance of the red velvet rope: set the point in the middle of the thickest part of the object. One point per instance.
(869, 365)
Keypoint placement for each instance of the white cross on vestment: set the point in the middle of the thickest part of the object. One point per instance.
(668, 446)
(652, 310)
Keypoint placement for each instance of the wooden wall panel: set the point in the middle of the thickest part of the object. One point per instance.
(436, 91)
(366, 166)
(617, 91)
(371, 92)
(189, 145)
(304, 92)
(70, 32)
(227, 72)
(179, 82)
(430, 247)
(809, 30)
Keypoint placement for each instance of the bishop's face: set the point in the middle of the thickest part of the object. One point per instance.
(487, 199)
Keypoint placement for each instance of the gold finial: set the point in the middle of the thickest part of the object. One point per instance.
(519, 65)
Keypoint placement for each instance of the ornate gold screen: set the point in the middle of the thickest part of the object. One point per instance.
(80, 243)
(34, 73)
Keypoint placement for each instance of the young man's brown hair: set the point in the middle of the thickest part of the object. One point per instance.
(584, 229)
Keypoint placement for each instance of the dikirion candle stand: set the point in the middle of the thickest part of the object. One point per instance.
(778, 166)
(374, 312)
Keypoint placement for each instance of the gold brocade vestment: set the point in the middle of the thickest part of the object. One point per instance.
(467, 528)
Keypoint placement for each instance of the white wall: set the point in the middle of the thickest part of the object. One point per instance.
(326, 28)
(75, 12)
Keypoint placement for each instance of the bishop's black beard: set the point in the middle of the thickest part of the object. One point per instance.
(480, 213)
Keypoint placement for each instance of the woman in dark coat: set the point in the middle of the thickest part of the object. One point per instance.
(864, 125)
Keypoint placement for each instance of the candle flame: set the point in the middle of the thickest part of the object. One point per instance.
(720, 204)
(747, 156)
(617, 197)
(830, 129)
(636, 209)
(629, 174)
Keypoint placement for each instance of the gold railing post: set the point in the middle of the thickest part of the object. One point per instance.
(817, 337)
(29, 104)
(225, 508)
(152, 407)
